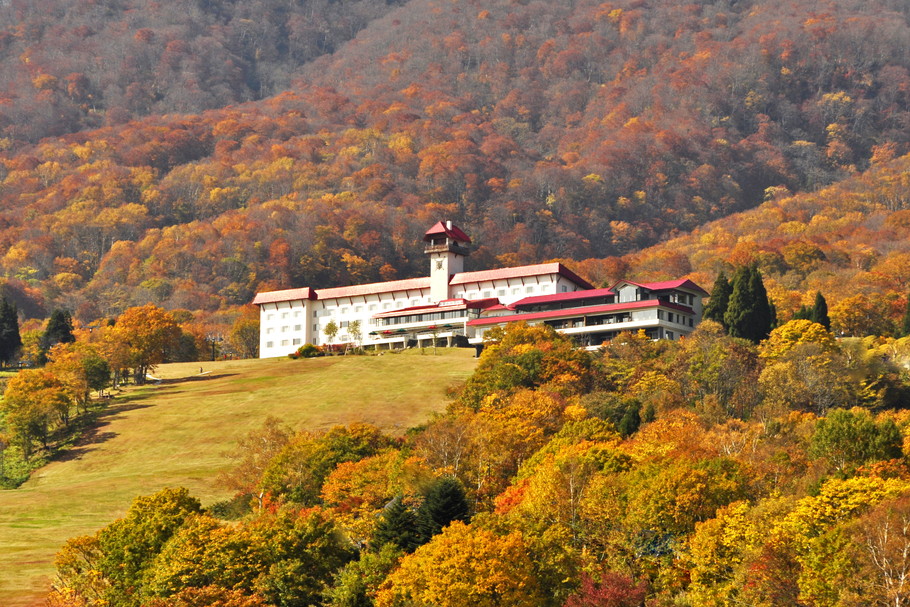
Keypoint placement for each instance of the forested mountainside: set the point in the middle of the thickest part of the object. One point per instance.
(851, 241)
(68, 65)
(574, 130)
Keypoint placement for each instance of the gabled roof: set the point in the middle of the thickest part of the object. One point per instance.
(408, 284)
(667, 285)
(520, 272)
(579, 311)
(285, 295)
(560, 297)
(454, 233)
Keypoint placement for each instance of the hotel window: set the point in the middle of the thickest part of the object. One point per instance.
(372, 307)
(284, 342)
(516, 291)
(269, 316)
(501, 292)
(344, 310)
(296, 327)
(269, 344)
(344, 324)
(297, 314)
(269, 330)
(316, 327)
(529, 289)
(358, 309)
(487, 294)
(296, 341)
(284, 315)
(564, 288)
(284, 329)
(386, 305)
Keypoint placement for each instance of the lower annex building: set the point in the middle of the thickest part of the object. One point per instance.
(455, 307)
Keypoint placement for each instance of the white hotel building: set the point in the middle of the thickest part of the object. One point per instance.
(457, 307)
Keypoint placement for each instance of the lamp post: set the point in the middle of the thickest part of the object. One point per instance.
(214, 338)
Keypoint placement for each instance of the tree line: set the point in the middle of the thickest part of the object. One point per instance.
(707, 471)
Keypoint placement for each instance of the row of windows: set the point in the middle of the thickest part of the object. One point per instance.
(284, 315)
(284, 342)
(284, 329)
(400, 320)
(677, 318)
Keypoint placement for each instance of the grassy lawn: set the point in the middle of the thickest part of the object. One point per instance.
(175, 433)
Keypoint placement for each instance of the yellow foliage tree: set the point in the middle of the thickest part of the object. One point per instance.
(464, 566)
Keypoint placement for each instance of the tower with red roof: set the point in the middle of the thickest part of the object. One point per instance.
(446, 246)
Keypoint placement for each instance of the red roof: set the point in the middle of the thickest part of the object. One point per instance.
(580, 311)
(543, 299)
(409, 284)
(683, 283)
(443, 306)
(285, 295)
(454, 232)
(520, 272)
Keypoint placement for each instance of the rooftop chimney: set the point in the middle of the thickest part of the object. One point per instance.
(448, 224)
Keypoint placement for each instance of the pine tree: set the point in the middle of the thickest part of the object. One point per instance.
(59, 330)
(905, 323)
(720, 298)
(10, 340)
(820, 311)
(444, 502)
(397, 526)
(749, 314)
(804, 313)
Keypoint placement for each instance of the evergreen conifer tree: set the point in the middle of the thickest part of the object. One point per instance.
(720, 298)
(444, 502)
(804, 313)
(905, 323)
(820, 311)
(10, 340)
(397, 526)
(59, 330)
(749, 314)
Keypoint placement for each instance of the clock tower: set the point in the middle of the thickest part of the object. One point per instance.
(446, 248)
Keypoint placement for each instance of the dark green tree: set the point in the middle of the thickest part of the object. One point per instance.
(820, 311)
(905, 323)
(59, 331)
(852, 438)
(10, 340)
(397, 526)
(804, 313)
(445, 501)
(749, 313)
(720, 299)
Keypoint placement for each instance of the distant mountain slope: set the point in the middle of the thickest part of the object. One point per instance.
(566, 130)
(66, 65)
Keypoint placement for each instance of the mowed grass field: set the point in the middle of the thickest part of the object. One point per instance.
(176, 433)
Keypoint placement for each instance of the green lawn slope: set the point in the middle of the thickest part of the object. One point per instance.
(176, 433)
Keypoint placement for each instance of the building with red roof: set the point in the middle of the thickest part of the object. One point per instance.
(458, 307)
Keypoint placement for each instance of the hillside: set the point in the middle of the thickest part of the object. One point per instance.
(68, 65)
(577, 130)
(850, 241)
(195, 420)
